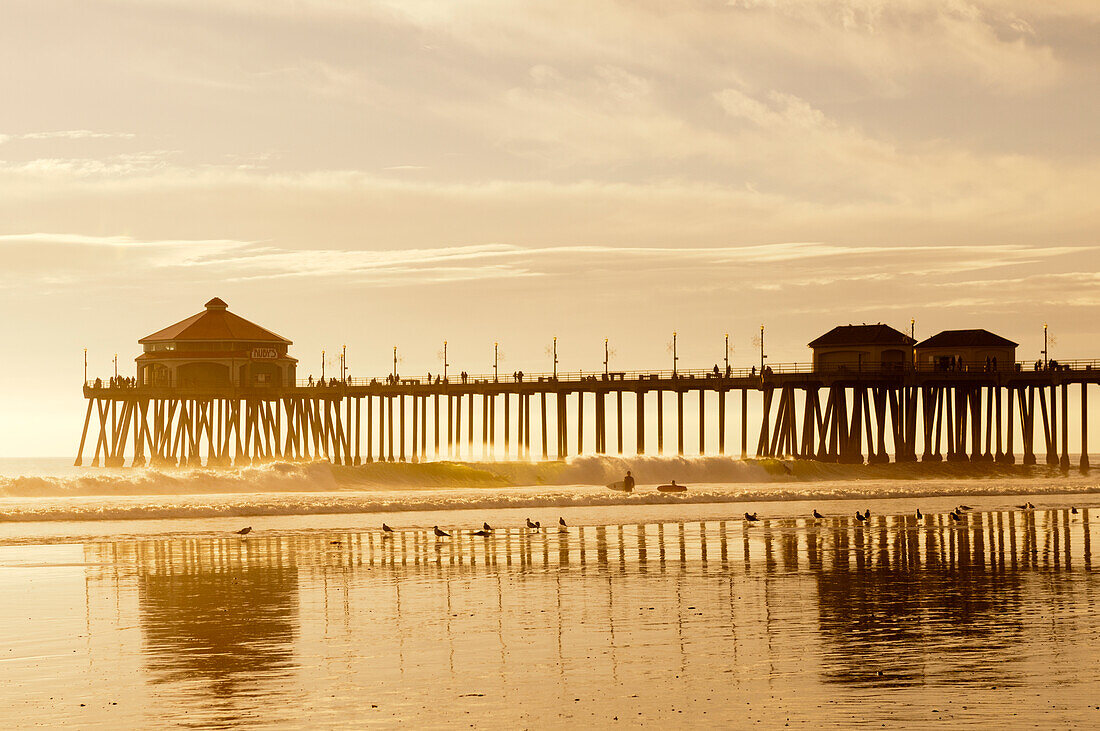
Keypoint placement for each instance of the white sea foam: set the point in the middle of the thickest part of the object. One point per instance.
(321, 489)
(322, 477)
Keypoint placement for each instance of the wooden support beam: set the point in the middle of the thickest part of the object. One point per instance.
(660, 422)
(1064, 461)
(545, 439)
(722, 421)
(702, 422)
(680, 422)
(83, 435)
(1084, 464)
(619, 419)
(639, 422)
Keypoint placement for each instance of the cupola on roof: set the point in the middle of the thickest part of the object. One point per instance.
(215, 323)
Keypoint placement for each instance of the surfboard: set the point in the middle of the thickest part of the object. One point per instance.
(672, 488)
(620, 486)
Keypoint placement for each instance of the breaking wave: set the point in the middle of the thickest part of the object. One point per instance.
(324, 477)
(324, 489)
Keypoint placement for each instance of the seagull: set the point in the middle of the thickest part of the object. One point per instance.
(482, 533)
(1026, 506)
(487, 527)
(386, 528)
(244, 531)
(919, 516)
(1073, 510)
(957, 517)
(964, 507)
(561, 522)
(818, 515)
(861, 517)
(439, 533)
(751, 518)
(534, 526)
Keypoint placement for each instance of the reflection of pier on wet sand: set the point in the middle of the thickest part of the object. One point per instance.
(701, 620)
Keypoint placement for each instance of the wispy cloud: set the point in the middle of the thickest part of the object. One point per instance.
(76, 134)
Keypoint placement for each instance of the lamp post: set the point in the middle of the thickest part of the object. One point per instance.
(85, 365)
(606, 357)
(395, 363)
(1046, 346)
(496, 354)
(445, 363)
(727, 351)
(343, 364)
(675, 357)
(762, 356)
(116, 365)
(555, 357)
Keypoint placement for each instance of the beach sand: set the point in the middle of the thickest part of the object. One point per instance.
(635, 615)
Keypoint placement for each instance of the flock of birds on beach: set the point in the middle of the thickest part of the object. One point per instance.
(486, 530)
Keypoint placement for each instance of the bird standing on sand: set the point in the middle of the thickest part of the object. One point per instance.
(963, 507)
(482, 533)
(439, 533)
(244, 531)
(487, 527)
(919, 516)
(956, 517)
(1073, 511)
(1026, 506)
(751, 518)
(861, 517)
(817, 515)
(561, 522)
(386, 528)
(534, 526)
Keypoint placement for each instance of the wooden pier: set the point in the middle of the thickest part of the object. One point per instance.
(837, 415)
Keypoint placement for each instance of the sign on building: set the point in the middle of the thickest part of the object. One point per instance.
(264, 354)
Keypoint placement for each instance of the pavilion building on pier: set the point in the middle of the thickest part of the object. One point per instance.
(863, 347)
(215, 348)
(966, 349)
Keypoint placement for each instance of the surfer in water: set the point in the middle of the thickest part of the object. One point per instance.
(628, 482)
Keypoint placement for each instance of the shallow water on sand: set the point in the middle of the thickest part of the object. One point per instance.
(703, 620)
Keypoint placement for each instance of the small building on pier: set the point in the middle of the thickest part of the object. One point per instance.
(966, 350)
(215, 348)
(863, 347)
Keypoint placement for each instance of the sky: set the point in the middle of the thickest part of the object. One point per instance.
(380, 174)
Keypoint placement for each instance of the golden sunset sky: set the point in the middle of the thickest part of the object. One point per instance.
(399, 173)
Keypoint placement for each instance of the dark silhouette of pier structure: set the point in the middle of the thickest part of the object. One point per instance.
(831, 410)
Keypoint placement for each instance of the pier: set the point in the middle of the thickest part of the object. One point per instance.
(832, 410)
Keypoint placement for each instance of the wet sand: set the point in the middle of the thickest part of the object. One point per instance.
(702, 620)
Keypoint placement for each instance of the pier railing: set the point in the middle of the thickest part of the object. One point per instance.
(612, 376)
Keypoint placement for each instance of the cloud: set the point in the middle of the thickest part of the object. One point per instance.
(76, 134)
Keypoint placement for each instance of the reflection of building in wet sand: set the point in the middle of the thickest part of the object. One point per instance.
(220, 614)
(687, 611)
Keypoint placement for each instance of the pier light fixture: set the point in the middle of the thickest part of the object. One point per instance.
(555, 346)
(496, 362)
(395, 362)
(322, 364)
(675, 357)
(762, 356)
(445, 363)
(606, 356)
(727, 352)
(343, 364)
(116, 364)
(85, 365)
